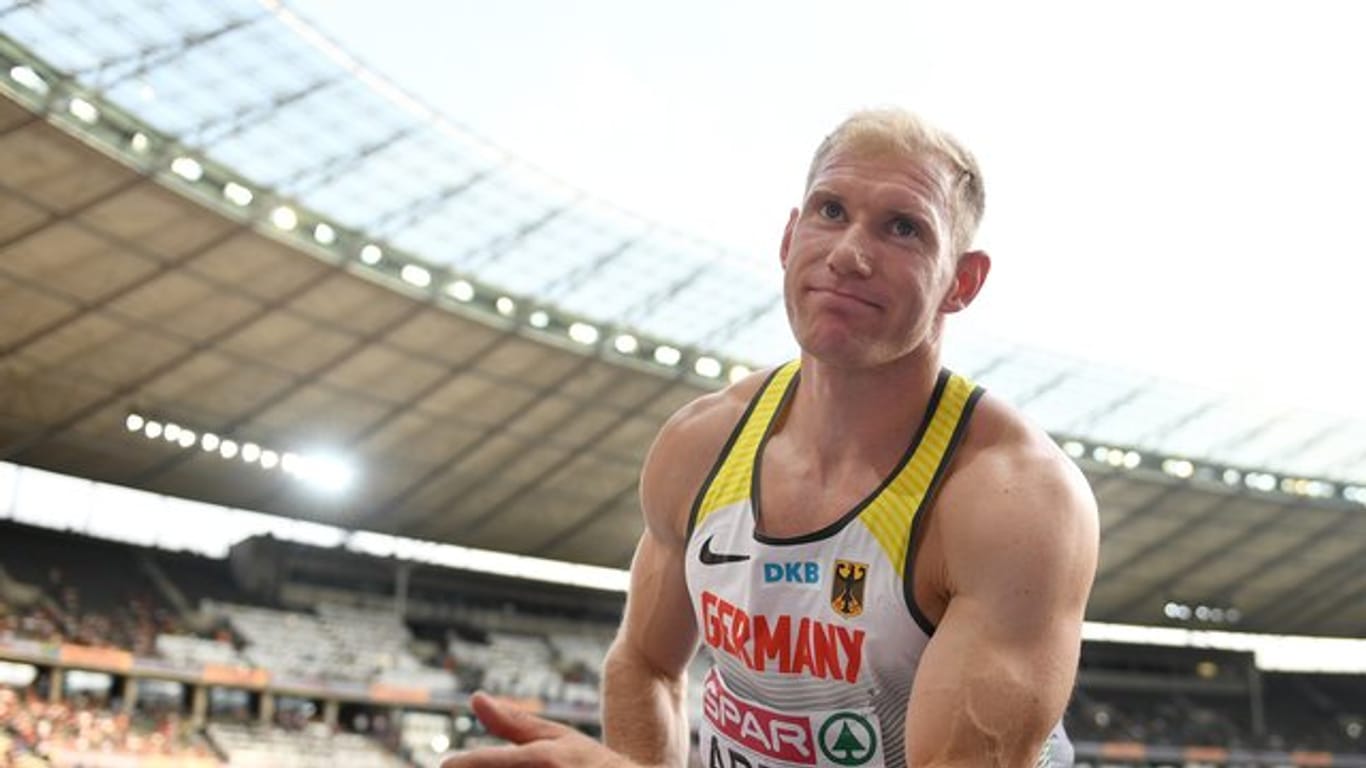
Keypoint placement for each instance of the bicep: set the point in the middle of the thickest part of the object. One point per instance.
(997, 674)
(658, 626)
(987, 692)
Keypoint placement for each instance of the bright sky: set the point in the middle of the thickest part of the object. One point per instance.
(1173, 187)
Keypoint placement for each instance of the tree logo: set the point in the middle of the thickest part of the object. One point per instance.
(848, 739)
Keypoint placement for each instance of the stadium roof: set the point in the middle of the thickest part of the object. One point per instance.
(149, 150)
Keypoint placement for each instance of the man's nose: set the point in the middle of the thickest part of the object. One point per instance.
(849, 256)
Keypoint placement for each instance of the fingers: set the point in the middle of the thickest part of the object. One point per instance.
(507, 721)
(490, 757)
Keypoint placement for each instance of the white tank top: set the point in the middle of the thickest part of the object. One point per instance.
(814, 639)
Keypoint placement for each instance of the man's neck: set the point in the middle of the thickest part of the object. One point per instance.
(842, 415)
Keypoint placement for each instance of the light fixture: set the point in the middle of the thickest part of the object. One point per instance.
(1178, 468)
(237, 194)
(250, 452)
(83, 110)
(134, 422)
(738, 372)
(152, 429)
(709, 367)
(284, 218)
(322, 471)
(269, 459)
(187, 438)
(209, 442)
(505, 306)
(187, 168)
(171, 432)
(1074, 449)
(139, 142)
(666, 355)
(227, 448)
(324, 233)
(461, 290)
(371, 254)
(625, 343)
(415, 275)
(26, 77)
(583, 333)
(538, 319)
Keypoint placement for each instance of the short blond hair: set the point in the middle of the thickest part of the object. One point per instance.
(899, 132)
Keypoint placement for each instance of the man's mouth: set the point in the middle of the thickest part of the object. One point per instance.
(846, 295)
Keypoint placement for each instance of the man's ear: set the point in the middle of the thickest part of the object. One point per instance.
(968, 278)
(787, 237)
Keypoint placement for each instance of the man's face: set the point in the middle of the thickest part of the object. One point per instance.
(869, 258)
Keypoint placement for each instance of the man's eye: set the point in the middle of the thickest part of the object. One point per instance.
(904, 228)
(832, 210)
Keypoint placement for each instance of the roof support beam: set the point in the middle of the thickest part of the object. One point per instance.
(1137, 515)
(393, 511)
(163, 268)
(1048, 385)
(495, 249)
(1312, 590)
(336, 166)
(1349, 601)
(1161, 431)
(551, 469)
(127, 389)
(151, 57)
(413, 211)
(575, 277)
(1087, 422)
(222, 127)
(1196, 520)
(1204, 559)
(355, 347)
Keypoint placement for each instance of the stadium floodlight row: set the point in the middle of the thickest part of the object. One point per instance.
(238, 198)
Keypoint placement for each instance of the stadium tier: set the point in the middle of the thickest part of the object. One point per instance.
(318, 669)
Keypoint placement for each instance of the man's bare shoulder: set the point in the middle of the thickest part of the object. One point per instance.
(1009, 466)
(685, 450)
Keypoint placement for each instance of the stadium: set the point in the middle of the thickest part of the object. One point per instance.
(311, 426)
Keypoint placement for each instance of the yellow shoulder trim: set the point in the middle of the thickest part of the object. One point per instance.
(891, 514)
(732, 479)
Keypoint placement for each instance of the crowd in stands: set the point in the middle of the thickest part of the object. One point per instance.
(88, 726)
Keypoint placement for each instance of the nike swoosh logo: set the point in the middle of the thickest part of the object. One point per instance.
(709, 557)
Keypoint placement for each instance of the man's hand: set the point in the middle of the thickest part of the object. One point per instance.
(535, 741)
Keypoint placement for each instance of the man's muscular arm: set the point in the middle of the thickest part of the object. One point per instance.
(1019, 543)
(644, 678)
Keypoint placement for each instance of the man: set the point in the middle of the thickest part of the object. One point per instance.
(888, 567)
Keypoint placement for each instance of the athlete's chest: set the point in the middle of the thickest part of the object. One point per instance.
(793, 499)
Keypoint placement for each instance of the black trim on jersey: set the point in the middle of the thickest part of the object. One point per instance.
(940, 383)
(725, 451)
(923, 511)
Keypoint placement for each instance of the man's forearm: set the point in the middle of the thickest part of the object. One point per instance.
(643, 710)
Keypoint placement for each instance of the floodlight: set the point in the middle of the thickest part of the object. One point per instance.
(626, 344)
